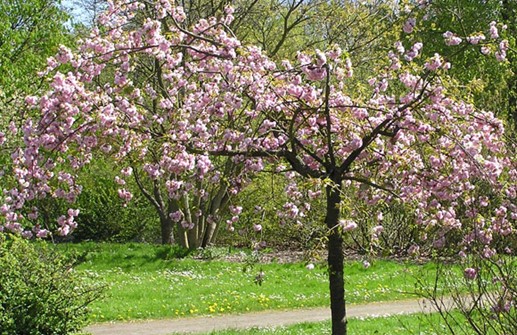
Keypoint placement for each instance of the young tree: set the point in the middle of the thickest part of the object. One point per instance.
(406, 141)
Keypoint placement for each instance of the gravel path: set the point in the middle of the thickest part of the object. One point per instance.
(259, 319)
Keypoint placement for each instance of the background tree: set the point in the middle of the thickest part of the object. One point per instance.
(30, 31)
(487, 81)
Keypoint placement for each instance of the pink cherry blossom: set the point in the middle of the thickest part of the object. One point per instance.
(470, 273)
(409, 25)
(451, 38)
(347, 225)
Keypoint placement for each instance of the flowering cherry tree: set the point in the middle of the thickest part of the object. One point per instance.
(215, 100)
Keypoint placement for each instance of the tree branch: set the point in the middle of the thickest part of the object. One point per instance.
(370, 183)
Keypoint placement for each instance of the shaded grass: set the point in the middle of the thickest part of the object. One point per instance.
(146, 281)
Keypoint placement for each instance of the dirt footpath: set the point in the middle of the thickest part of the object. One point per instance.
(259, 319)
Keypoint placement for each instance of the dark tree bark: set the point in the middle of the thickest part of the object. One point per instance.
(335, 261)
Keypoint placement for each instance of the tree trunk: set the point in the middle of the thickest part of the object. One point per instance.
(193, 240)
(182, 237)
(218, 202)
(209, 234)
(167, 227)
(335, 261)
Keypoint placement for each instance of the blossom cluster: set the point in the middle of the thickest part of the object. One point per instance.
(481, 39)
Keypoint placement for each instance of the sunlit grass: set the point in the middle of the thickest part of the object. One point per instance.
(414, 324)
(143, 282)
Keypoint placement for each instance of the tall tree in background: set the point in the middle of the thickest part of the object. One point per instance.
(485, 80)
(30, 31)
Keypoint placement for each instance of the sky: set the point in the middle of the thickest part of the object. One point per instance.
(77, 12)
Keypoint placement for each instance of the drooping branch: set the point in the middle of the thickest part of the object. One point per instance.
(145, 192)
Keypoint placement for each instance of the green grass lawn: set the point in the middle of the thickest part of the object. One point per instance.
(143, 282)
(414, 324)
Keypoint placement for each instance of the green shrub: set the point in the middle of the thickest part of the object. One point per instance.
(40, 293)
(103, 216)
